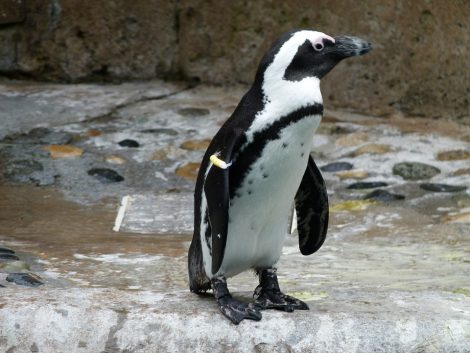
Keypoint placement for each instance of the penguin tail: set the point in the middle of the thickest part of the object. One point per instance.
(198, 280)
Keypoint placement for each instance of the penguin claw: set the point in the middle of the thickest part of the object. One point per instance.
(237, 311)
(270, 299)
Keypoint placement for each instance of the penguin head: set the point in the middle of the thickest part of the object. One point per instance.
(304, 54)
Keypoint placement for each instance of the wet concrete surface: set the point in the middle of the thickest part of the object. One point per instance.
(69, 244)
(392, 275)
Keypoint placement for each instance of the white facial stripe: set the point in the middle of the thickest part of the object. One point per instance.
(282, 96)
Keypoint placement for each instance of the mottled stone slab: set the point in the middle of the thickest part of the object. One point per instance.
(28, 105)
(110, 320)
(170, 213)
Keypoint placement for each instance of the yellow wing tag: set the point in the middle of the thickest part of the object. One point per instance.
(218, 162)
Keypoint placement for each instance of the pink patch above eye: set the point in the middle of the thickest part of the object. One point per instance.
(319, 40)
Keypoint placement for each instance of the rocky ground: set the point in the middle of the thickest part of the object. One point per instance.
(392, 276)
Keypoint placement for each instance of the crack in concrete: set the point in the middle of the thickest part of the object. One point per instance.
(111, 345)
(124, 105)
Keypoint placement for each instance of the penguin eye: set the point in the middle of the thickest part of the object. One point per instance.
(318, 46)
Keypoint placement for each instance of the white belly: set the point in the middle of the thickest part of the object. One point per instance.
(258, 217)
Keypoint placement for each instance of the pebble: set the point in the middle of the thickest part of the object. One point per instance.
(163, 131)
(63, 151)
(14, 266)
(8, 257)
(415, 170)
(194, 145)
(193, 112)
(2, 286)
(383, 195)
(352, 174)
(25, 279)
(337, 167)
(332, 129)
(460, 172)
(353, 139)
(454, 155)
(351, 205)
(442, 187)
(188, 171)
(458, 218)
(367, 185)
(105, 175)
(168, 152)
(6, 251)
(115, 160)
(373, 148)
(129, 143)
(93, 133)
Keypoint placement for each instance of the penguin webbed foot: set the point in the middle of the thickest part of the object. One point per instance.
(270, 299)
(236, 311)
(231, 308)
(269, 296)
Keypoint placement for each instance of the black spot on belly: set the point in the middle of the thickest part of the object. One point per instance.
(250, 182)
(249, 192)
(302, 144)
(261, 167)
(284, 145)
(302, 154)
(265, 175)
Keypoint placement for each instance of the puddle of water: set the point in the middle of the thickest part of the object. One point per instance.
(68, 243)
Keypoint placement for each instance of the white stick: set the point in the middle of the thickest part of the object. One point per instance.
(121, 213)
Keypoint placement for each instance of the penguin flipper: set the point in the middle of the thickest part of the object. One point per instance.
(311, 205)
(216, 190)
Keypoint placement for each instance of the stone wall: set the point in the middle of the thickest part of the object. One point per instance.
(419, 66)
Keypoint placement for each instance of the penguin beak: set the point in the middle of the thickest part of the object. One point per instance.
(346, 46)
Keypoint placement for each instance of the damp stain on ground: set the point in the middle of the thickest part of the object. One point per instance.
(72, 244)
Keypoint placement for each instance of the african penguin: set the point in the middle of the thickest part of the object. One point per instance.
(257, 166)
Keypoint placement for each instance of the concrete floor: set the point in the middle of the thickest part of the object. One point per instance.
(391, 276)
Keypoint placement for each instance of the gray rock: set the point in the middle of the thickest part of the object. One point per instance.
(129, 143)
(162, 131)
(8, 257)
(442, 187)
(415, 170)
(383, 196)
(106, 175)
(336, 167)
(24, 279)
(193, 112)
(367, 185)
